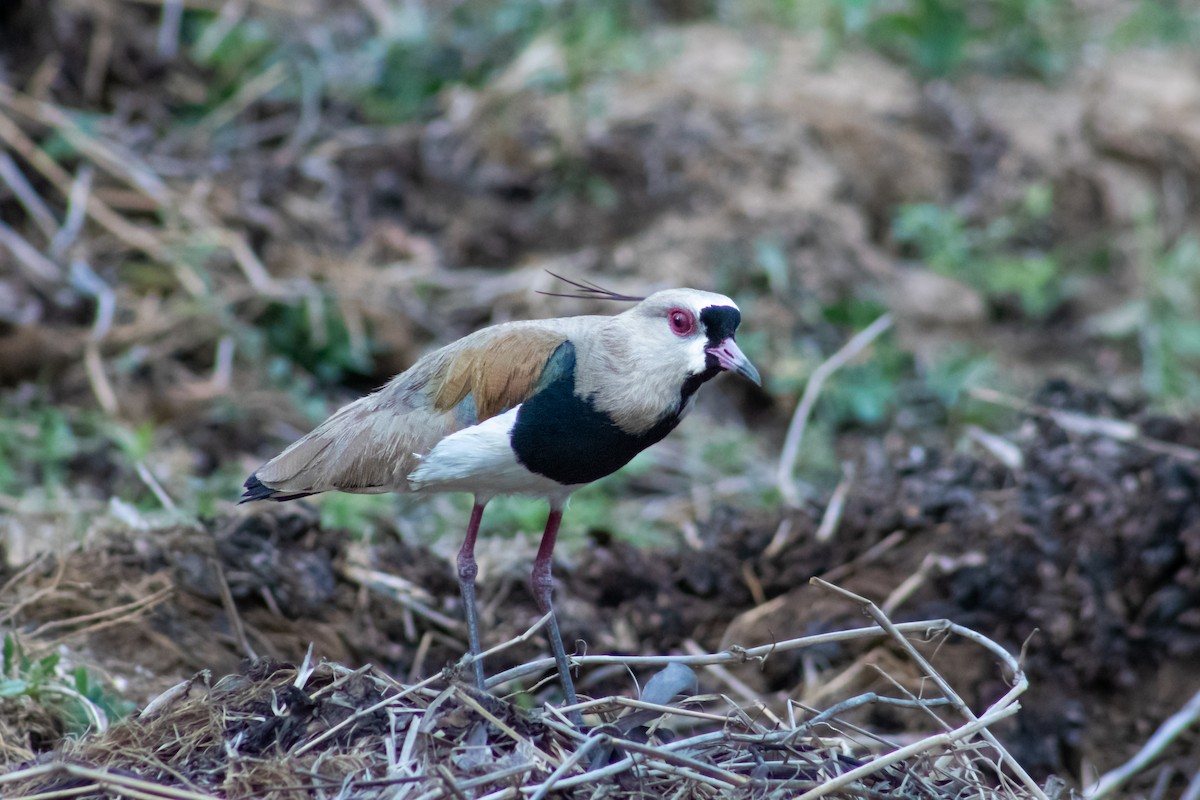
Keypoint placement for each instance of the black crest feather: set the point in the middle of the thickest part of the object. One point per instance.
(589, 290)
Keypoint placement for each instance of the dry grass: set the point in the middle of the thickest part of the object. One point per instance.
(323, 730)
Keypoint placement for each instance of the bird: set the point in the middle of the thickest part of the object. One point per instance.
(531, 407)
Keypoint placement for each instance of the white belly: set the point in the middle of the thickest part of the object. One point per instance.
(480, 460)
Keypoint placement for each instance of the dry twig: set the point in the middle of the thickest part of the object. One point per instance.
(718, 746)
(1167, 733)
(791, 444)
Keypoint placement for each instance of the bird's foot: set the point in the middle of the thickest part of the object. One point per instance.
(564, 670)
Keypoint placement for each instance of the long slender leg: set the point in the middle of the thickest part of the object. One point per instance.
(543, 588)
(467, 570)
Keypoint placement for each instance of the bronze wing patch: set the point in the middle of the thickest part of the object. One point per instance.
(498, 374)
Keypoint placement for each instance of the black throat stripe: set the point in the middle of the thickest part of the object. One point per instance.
(563, 437)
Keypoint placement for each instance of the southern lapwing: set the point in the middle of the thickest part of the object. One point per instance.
(537, 408)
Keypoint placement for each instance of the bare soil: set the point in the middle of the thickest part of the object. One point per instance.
(1083, 559)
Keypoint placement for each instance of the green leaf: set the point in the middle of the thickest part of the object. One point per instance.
(772, 260)
(1032, 278)
(1120, 322)
(1184, 337)
(1039, 200)
(855, 14)
(43, 670)
(954, 372)
(11, 649)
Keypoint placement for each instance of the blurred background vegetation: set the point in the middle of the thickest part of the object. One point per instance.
(219, 220)
(222, 219)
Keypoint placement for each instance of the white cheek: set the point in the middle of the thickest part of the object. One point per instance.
(697, 356)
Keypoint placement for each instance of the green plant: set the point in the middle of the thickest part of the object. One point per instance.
(998, 258)
(37, 444)
(362, 514)
(939, 38)
(56, 455)
(771, 258)
(1163, 320)
(100, 695)
(393, 71)
(24, 675)
(1171, 22)
(315, 335)
(930, 35)
(953, 372)
(598, 37)
(867, 392)
(202, 497)
(74, 696)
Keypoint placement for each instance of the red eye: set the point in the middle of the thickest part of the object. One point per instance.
(683, 323)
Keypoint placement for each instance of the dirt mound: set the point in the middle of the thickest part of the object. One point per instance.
(1083, 558)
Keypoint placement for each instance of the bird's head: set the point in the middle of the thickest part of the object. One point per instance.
(693, 329)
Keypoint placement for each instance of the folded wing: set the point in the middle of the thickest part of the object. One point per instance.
(373, 444)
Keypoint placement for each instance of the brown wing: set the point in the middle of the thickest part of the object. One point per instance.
(498, 374)
(374, 443)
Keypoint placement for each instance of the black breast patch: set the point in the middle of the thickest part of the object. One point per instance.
(565, 438)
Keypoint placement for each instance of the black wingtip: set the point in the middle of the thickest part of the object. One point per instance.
(257, 490)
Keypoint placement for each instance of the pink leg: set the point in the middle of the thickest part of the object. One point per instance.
(542, 582)
(543, 587)
(467, 570)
